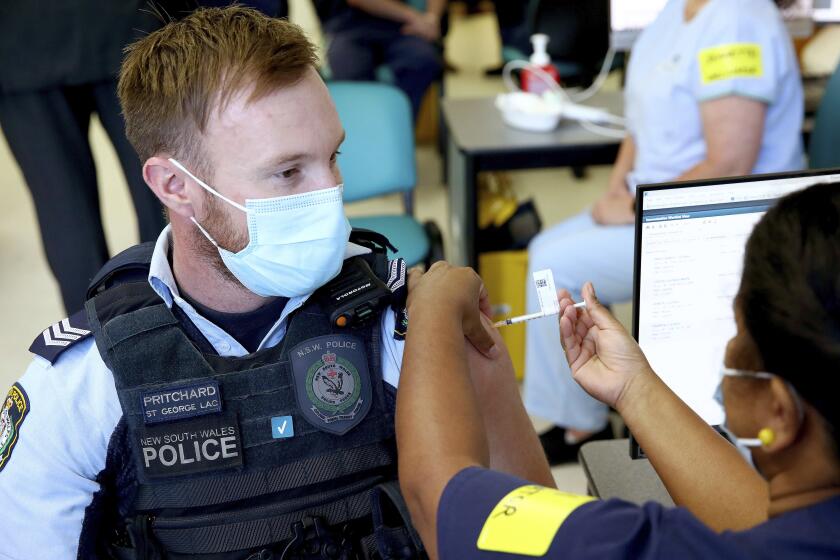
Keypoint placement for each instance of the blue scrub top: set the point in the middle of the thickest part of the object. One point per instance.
(614, 529)
(730, 48)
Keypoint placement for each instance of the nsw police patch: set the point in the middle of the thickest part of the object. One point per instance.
(15, 408)
(332, 382)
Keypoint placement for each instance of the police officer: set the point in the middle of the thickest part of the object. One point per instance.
(227, 392)
(785, 421)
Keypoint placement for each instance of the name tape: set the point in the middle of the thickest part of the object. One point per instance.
(179, 402)
(546, 292)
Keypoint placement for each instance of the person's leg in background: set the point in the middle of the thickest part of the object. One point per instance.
(47, 132)
(576, 250)
(351, 55)
(150, 217)
(512, 15)
(416, 63)
(273, 8)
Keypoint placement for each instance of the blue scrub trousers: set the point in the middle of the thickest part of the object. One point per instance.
(576, 250)
(355, 53)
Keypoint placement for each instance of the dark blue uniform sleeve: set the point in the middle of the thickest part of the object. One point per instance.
(597, 529)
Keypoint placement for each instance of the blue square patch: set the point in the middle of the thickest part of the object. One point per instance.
(282, 427)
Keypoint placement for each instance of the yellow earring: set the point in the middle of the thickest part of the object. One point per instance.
(766, 436)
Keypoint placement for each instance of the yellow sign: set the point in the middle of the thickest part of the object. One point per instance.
(736, 60)
(527, 519)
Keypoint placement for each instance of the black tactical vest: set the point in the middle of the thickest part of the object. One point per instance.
(287, 453)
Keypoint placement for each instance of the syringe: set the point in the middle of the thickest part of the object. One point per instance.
(537, 315)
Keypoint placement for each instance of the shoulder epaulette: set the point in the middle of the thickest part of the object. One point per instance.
(398, 284)
(396, 274)
(60, 336)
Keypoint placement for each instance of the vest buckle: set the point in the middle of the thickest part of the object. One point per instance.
(136, 541)
(314, 540)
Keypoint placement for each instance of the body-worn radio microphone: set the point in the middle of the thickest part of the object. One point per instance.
(356, 295)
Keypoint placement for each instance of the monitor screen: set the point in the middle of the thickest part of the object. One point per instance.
(827, 11)
(800, 18)
(690, 242)
(629, 17)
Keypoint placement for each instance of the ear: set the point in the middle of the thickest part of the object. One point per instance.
(785, 416)
(169, 185)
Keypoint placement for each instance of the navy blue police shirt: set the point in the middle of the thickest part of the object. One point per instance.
(249, 328)
(486, 515)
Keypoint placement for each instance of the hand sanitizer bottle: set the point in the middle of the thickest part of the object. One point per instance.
(530, 81)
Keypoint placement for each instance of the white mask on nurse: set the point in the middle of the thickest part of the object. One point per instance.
(745, 444)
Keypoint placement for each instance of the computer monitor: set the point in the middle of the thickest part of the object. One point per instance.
(629, 17)
(827, 11)
(690, 240)
(799, 18)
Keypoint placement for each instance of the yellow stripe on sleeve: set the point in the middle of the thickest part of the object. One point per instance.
(526, 520)
(735, 60)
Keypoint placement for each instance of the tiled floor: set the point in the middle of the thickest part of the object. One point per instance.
(28, 296)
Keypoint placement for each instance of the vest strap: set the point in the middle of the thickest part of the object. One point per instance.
(227, 531)
(131, 265)
(392, 541)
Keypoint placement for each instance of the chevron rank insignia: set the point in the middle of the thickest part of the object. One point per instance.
(60, 336)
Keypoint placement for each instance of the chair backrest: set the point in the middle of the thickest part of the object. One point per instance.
(378, 156)
(824, 150)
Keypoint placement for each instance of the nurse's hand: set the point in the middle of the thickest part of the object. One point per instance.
(602, 355)
(446, 292)
(614, 208)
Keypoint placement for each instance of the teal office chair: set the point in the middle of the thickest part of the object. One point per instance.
(824, 148)
(378, 159)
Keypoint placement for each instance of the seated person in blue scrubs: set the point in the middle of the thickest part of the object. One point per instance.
(779, 389)
(364, 34)
(713, 90)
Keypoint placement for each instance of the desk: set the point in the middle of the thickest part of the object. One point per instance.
(478, 140)
(611, 473)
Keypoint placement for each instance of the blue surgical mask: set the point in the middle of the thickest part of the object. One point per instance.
(296, 242)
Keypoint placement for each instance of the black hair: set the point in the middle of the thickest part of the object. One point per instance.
(790, 295)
